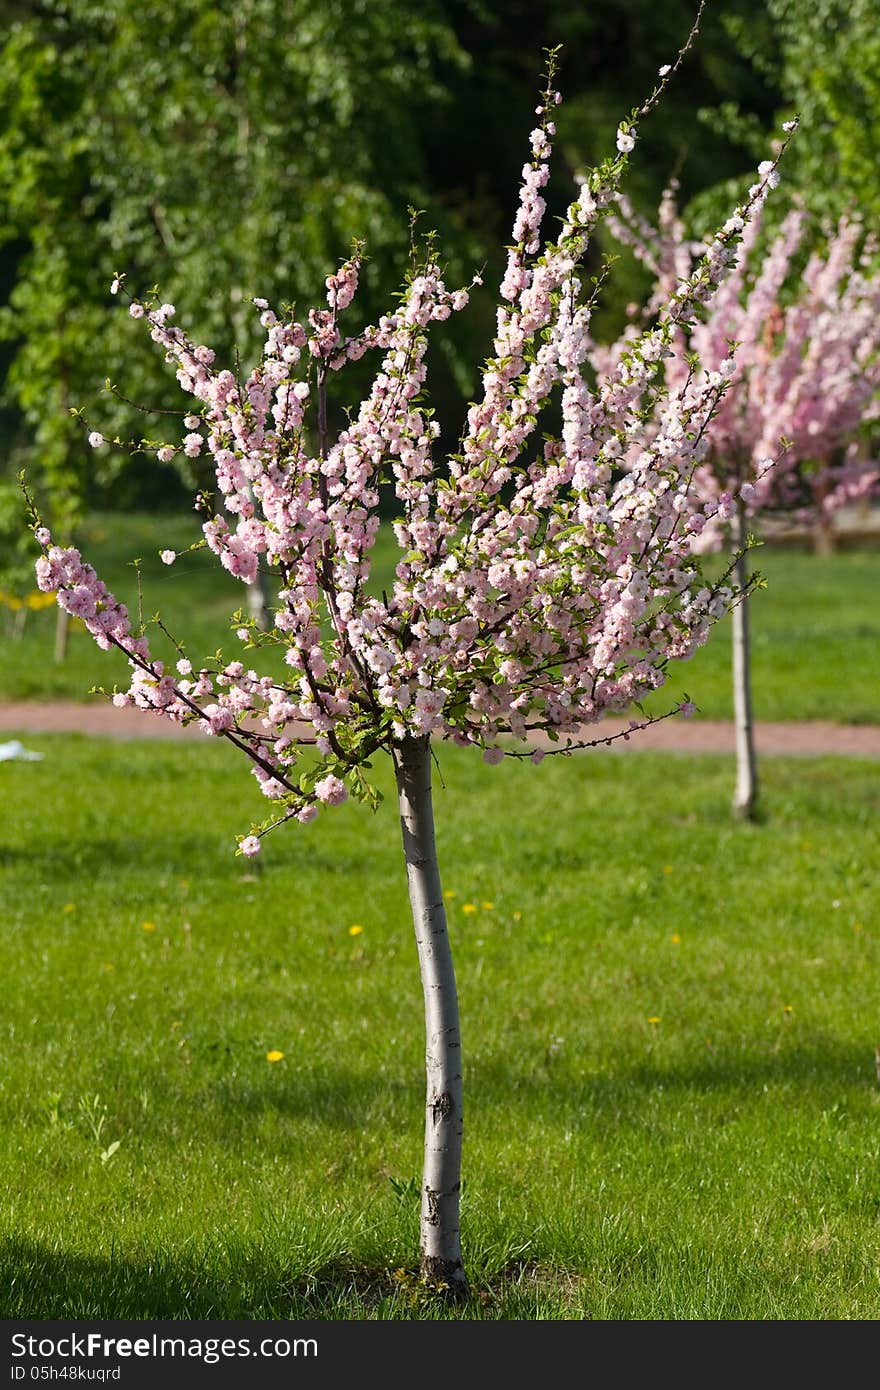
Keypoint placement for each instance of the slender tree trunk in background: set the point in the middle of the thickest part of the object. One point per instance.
(258, 595)
(440, 1244)
(62, 630)
(745, 800)
(258, 601)
(824, 538)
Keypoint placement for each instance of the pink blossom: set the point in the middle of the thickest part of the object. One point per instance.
(331, 790)
(543, 580)
(167, 556)
(96, 439)
(217, 719)
(250, 846)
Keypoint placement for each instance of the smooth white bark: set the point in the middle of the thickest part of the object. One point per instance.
(745, 799)
(258, 602)
(441, 1262)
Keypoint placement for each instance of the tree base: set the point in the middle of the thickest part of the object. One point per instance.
(746, 810)
(445, 1278)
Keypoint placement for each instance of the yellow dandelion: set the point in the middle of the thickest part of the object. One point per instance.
(655, 1018)
(108, 965)
(788, 1008)
(488, 906)
(70, 907)
(517, 916)
(450, 893)
(355, 930)
(148, 926)
(675, 939)
(469, 907)
(274, 1055)
(668, 869)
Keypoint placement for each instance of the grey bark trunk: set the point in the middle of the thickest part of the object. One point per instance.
(258, 592)
(258, 601)
(441, 1263)
(62, 629)
(745, 799)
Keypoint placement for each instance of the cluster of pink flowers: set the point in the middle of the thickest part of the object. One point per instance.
(82, 594)
(539, 584)
(805, 375)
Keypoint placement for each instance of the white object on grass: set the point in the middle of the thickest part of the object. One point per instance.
(16, 749)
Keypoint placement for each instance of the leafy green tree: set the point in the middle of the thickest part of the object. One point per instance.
(220, 145)
(824, 60)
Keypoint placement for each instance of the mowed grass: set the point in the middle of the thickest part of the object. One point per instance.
(816, 626)
(669, 1024)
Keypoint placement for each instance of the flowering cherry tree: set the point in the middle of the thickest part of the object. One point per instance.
(538, 585)
(803, 392)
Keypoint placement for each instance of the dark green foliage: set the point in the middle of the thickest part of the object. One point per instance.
(823, 59)
(234, 149)
(217, 150)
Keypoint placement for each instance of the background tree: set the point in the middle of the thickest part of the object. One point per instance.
(823, 61)
(233, 144)
(807, 376)
(538, 587)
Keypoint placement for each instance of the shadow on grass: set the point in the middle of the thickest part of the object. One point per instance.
(346, 1101)
(821, 1072)
(102, 857)
(106, 858)
(808, 1080)
(43, 1281)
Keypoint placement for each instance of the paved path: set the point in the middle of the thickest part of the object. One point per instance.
(695, 735)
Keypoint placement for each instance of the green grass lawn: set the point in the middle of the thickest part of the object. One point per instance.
(669, 1023)
(816, 626)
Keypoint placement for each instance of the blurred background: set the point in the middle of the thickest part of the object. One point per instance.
(224, 150)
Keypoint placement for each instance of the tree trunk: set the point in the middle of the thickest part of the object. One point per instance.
(745, 800)
(441, 1263)
(62, 629)
(258, 601)
(824, 537)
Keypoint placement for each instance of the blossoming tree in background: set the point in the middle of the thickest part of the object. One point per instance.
(538, 587)
(805, 378)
